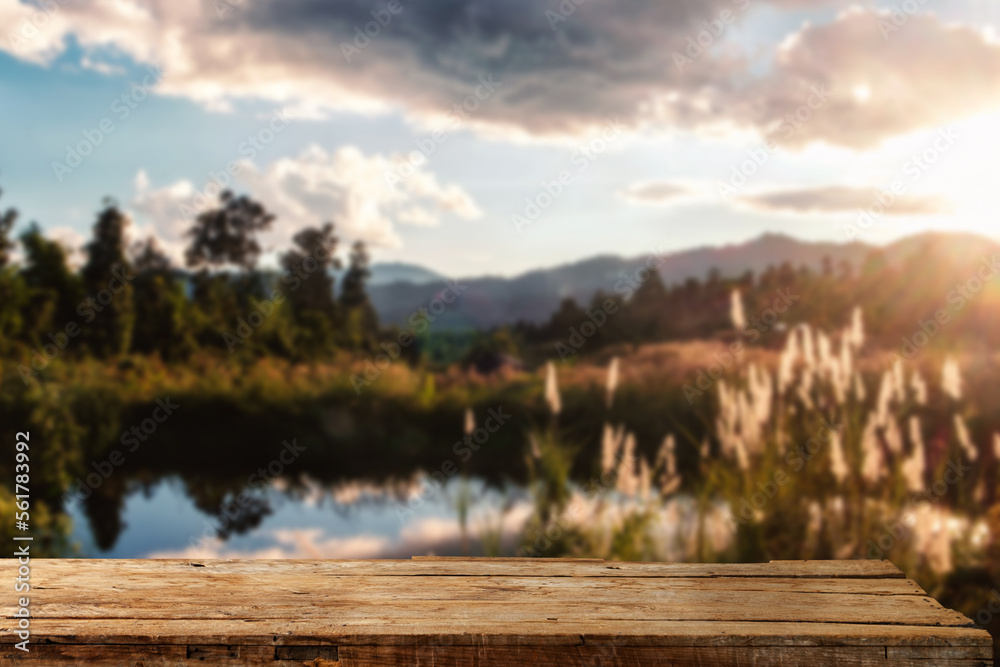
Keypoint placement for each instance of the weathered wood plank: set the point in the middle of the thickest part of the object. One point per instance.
(453, 587)
(859, 569)
(483, 633)
(498, 656)
(501, 611)
(723, 606)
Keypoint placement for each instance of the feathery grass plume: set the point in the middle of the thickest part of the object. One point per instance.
(611, 442)
(913, 467)
(804, 387)
(536, 451)
(919, 388)
(815, 523)
(846, 358)
(857, 329)
(951, 379)
(873, 467)
(666, 460)
(627, 473)
(736, 313)
(838, 465)
(893, 436)
(808, 353)
(750, 430)
(666, 456)
(885, 394)
(838, 381)
(931, 537)
(742, 460)
(823, 345)
(612, 380)
(980, 494)
(898, 382)
(470, 421)
(786, 364)
(552, 389)
(761, 393)
(859, 387)
(645, 479)
(962, 435)
(704, 450)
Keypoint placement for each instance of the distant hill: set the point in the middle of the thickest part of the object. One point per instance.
(386, 273)
(534, 296)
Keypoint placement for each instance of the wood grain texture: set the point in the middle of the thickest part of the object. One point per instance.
(497, 611)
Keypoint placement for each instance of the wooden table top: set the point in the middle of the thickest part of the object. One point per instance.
(498, 611)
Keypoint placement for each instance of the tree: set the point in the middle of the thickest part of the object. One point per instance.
(53, 289)
(310, 287)
(160, 306)
(7, 220)
(13, 293)
(109, 314)
(227, 235)
(361, 323)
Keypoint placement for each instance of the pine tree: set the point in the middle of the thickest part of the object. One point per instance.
(361, 323)
(109, 315)
(310, 287)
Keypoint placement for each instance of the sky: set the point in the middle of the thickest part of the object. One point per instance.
(480, 137)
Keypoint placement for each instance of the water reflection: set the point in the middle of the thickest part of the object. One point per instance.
(300, 519)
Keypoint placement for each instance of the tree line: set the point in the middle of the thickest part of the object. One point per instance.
(132, 299)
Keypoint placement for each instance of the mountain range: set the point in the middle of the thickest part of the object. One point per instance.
(399, 290)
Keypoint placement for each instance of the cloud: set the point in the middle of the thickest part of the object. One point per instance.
(926, 74)
(364, 196)
(655, 192)
(839, 198)
(73, 243)
(606, 60)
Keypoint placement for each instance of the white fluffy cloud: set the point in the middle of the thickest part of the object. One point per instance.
(366, 198)
(73, 243)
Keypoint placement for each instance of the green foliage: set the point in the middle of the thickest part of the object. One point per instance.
(109, 314)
